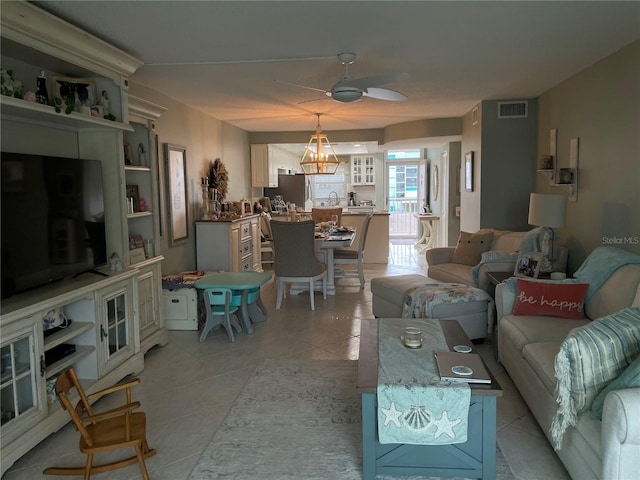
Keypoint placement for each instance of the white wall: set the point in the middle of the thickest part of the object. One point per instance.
(599, 106)
(205, 139)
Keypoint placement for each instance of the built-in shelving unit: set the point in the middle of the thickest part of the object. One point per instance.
(34, 41)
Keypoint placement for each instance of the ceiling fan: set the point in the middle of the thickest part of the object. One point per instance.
(349, 90)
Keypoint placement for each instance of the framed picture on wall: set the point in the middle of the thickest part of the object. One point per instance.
(176, 163)
(468, 171)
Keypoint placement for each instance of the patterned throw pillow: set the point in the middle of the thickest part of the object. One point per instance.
(471, 246)
(565, 300)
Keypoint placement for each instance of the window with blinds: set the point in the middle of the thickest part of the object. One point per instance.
(323, 185)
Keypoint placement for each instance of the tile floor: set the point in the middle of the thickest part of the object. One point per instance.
(188, 387)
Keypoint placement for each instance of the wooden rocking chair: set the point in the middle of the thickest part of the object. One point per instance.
(102, 432)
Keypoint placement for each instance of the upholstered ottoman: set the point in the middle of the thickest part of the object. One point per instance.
(475, 316)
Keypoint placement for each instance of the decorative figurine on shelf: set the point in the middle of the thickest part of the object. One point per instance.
(104, 102)
(143, 205)
(115, 264)
(142, 158)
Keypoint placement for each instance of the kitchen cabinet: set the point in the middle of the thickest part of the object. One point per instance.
(232, 246)
(263, 172)
(363, 170)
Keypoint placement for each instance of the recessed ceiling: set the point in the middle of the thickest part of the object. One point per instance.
(231, 59)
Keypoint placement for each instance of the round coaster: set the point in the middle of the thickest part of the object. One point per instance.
(462, 370)
(462, 349)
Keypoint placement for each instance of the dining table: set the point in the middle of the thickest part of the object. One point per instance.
(325, 245)
(247, 284)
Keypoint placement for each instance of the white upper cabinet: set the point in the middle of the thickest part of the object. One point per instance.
(363, 170)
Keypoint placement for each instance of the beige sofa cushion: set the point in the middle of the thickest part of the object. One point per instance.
(471, 246)
(504, 241)
(452, 273)
(522, 330)
(541, 357)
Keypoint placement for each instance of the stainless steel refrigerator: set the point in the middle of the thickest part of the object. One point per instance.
(292, 188)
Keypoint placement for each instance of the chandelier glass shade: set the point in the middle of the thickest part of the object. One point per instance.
(319, 157)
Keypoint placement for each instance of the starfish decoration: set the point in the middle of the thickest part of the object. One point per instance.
(391, 415)
(445, 426)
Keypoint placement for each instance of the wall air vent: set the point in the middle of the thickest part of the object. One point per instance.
(512, 109)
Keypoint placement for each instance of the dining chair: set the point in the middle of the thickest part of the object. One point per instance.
(266, 247)
(324, 214)
(295, 260)
(219, 308)
(343, 256)
(114, 429)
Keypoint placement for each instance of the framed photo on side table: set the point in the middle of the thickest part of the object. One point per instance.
(528, 265)
(176, 162)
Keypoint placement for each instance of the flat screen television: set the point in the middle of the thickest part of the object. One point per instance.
(52, 223)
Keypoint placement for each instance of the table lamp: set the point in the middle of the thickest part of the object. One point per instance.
(547, 211)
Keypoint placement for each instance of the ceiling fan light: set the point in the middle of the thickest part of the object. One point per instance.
(346, 95)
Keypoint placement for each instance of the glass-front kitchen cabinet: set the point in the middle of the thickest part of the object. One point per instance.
(363, 170)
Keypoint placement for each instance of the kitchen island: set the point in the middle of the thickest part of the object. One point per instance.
(377, 248)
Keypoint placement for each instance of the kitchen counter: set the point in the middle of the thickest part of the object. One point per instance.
(377, 248)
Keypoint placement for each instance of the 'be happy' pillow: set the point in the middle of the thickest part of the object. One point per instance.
(565, 300)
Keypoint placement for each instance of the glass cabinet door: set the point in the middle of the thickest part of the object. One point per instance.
(115, 328)
(21, 393)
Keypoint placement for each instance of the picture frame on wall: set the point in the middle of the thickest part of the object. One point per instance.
(528, 264)
(176, 177)
(468, 171)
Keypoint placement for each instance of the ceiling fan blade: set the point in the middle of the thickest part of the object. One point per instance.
(384, 94)
(313, 100)
(375, 80)
(301, 86)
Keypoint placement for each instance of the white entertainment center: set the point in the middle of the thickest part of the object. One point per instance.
(115, 317)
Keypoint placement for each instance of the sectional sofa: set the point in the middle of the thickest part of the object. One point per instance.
(528, 345)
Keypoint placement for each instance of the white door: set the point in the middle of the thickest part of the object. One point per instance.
(403, 191)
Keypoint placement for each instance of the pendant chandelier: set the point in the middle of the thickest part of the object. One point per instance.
(319, 157)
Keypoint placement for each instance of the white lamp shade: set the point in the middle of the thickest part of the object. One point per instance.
(546, 210)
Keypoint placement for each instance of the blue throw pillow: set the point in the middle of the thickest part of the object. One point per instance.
(630, 377)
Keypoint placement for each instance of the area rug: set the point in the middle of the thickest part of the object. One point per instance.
(294, 419)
